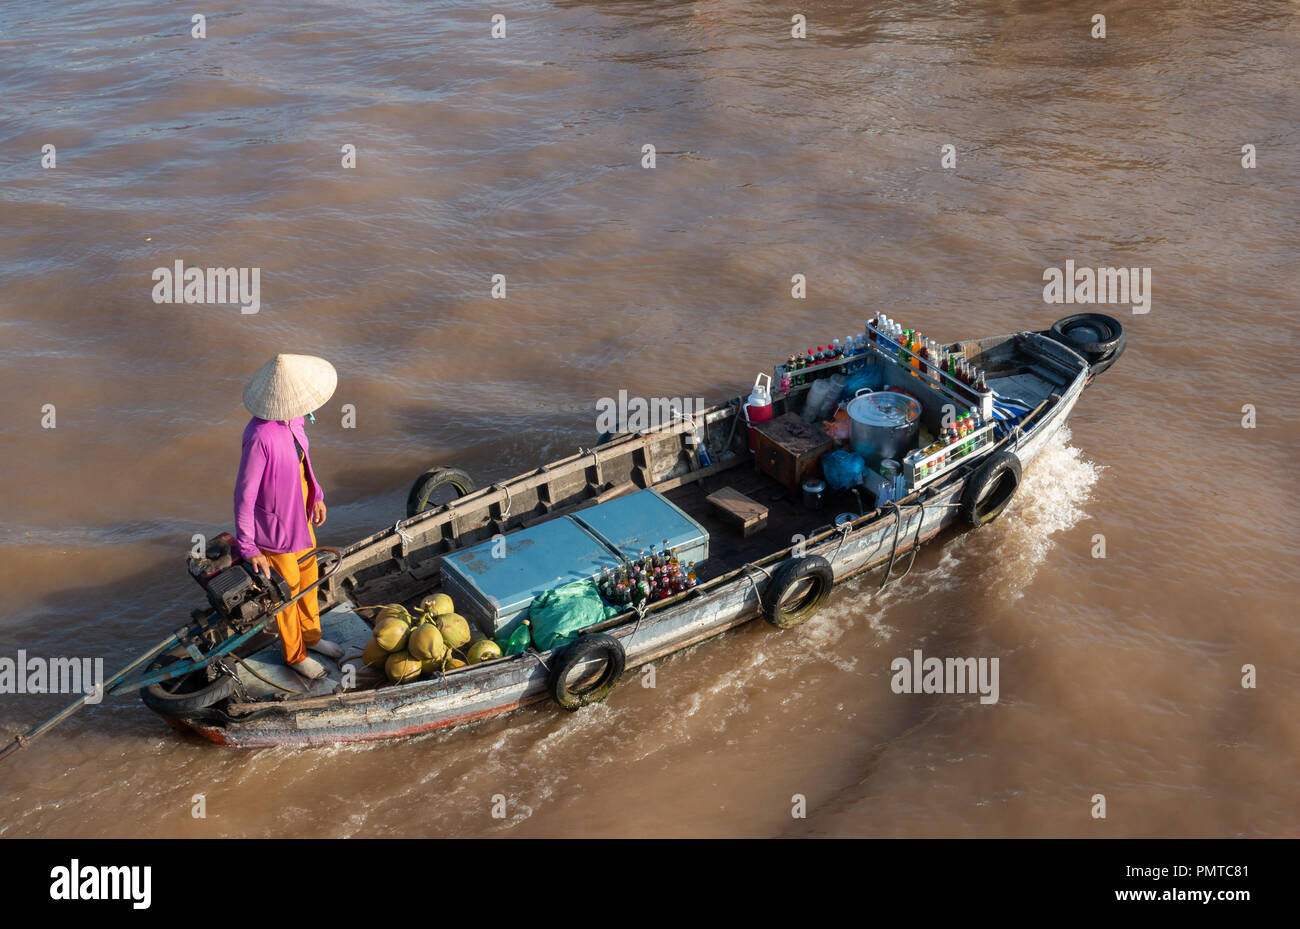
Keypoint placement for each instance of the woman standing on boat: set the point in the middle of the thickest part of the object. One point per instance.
(277, 498)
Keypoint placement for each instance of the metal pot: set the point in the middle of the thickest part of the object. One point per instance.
(883, 425)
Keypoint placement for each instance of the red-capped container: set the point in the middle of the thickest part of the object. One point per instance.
(758, 408)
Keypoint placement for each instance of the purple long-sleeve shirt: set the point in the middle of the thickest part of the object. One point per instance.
(270, 513)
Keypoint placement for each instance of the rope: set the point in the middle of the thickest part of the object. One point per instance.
(757, 593)
(916, 540)
(916, 543)
(595, 460)
(893, 546)
(844, 530)
(642, 609)
(505, 514)
(402, 534)
(533, 653)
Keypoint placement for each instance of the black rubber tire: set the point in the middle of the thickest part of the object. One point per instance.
(990, 489)
(587, 646)
(159, 699)
(1101, 364)
(1093, 335)
(417, 501)
(790, 576)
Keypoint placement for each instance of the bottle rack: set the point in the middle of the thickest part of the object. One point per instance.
(961, 393)
(825, 369)
(920, 468)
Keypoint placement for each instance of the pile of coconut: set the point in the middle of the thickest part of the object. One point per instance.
(434, 640)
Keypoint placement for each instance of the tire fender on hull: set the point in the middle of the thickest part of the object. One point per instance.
(587, 647)
(169, 704)
(1099, 338)
(797, 590)
(990, 489)
(417, 501)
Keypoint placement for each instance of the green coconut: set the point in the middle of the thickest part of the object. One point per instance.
(391, 634)
(437, 604)
(402, 667)
(426, 642)
(374, 654)
(452, 664)
(483, 650)
(393, 611)
(454, 629)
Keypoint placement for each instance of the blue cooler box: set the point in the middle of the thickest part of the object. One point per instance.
(495, 593)
(633, 523)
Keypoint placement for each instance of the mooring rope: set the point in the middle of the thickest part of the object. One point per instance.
(893, 546)
(505, 514)
(757, 593)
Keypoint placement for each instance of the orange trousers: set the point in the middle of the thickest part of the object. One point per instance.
(299, 624)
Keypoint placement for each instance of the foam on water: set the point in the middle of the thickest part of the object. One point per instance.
(1056, 485)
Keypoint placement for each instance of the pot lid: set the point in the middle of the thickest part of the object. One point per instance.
(884, 409)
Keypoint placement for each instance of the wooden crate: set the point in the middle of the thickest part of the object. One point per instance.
(749, 516)
(790, 450)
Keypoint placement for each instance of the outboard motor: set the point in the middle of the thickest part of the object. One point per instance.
(235, 591)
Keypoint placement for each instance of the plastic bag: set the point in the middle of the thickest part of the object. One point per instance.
(558, 614)
(872, 377)
(840, 427)
(843, 469)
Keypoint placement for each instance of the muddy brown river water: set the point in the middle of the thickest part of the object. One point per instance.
(775, 156)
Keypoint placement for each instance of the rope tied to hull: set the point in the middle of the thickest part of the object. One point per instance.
(595, 461)
(845, 529)
(753, 583)
(504, 488)
(893, 546)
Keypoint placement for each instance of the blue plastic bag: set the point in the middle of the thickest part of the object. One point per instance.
(843, 469)
(871, 377)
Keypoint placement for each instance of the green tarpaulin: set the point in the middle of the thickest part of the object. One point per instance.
(558, 614)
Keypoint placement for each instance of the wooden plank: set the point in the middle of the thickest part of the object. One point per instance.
(617, 491)
(691, 477)
(749, 515)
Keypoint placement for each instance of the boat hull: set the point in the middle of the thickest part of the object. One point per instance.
(505, 685)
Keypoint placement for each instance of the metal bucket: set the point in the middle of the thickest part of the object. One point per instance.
(883, 425)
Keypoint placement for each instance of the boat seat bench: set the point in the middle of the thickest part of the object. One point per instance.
(748, 515)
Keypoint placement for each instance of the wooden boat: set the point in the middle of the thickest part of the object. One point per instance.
(783, 572)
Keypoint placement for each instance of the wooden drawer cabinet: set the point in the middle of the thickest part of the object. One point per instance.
(790, 450)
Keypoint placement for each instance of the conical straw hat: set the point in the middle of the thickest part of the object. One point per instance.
(289, 386)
